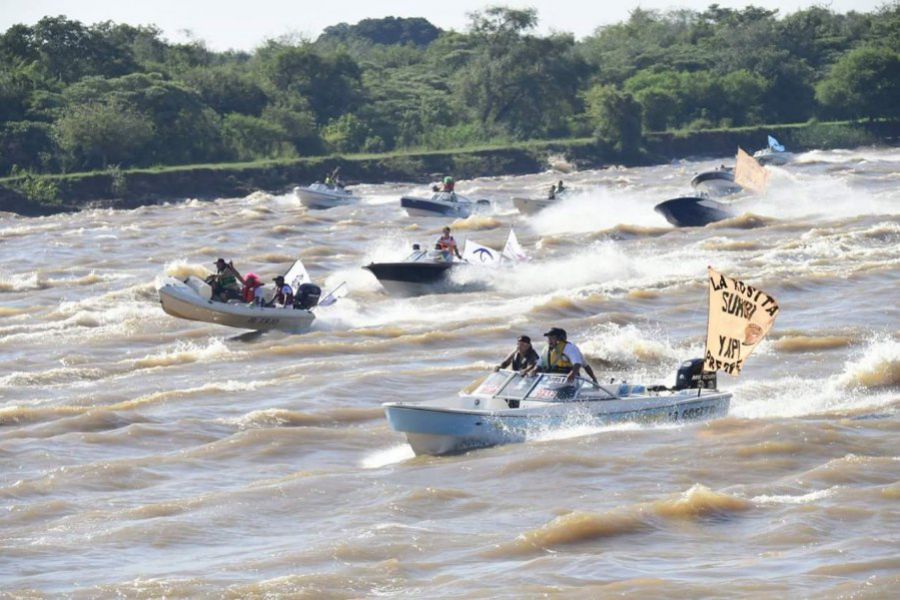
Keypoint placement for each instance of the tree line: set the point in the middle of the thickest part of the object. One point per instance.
(77, 97)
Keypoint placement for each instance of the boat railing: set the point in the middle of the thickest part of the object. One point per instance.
(543, 387)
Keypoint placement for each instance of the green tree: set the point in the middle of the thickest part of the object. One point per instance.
(616, 118)
(331, 83)
(97, 134)
(522, 83)
(863, 83)
(252, 138)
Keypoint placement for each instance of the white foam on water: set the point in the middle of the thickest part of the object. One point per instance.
(389, 456)
(788, 499)
(599, 209)
(870, 380)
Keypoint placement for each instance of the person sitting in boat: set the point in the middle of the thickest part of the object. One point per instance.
(333, 179)
(447, 246)
(253, 290)
(560, 187)
(551, 195)
(284, 294)
(562, 356)
(522, 358)
(224, 282)
(448, 185)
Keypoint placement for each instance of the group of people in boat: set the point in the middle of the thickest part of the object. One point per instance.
(561, 356)
(555, 190)
(229, 285)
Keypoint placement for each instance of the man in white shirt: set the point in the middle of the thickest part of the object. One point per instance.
(562, 356)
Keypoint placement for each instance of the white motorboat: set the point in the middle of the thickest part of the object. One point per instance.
(192, 299)
(510, 407)
(322, 196)
(530, 206)
(443, 204)
(773, 154)
(768, 156)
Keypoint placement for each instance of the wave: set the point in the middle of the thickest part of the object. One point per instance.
(280, 417)
(877, 368)
(476, 223)
(802, 343)
(186, 353)
(696, 503)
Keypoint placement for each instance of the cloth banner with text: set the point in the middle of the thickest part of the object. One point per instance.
(749, 174)
(740, 316)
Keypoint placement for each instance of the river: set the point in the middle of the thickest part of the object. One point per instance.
(146, 456)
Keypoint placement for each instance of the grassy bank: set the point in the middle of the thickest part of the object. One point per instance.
(47, 194)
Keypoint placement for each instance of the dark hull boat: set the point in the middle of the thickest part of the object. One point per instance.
(693, 212)
(719, 182)
(414, 278)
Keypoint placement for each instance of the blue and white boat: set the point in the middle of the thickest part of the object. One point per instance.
(509, 407)
(443, 204)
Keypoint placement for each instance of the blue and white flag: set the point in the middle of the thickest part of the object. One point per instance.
(477, 254)
(774, 145)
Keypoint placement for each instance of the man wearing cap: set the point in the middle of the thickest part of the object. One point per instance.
(225, 281)
(522, 358)
(284, 294)
(562, 357)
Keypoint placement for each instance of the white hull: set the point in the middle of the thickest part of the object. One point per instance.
(319, 196)
(183, 300)
(530, 206)
(479, 419)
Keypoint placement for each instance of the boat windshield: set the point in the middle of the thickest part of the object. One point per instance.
(416, 256)
(555, 388)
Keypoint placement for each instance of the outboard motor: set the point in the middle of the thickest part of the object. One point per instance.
(691, 376)
(307, 296)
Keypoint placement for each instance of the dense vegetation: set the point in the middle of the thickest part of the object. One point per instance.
(77, 97)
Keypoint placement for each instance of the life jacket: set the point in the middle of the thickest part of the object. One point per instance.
(250, 285)
(557, 361)
(447, 244)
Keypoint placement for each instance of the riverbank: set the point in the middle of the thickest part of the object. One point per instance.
(34, 195)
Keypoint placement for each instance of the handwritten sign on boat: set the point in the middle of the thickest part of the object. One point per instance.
(740, 316)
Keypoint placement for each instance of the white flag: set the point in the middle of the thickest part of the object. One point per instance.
(334, 295)
(513, 251)
(740, 316)
(297, 275)
(477, 254)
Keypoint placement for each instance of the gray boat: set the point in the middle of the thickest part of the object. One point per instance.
(509, 407)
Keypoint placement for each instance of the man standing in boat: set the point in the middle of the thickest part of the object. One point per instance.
(562, 356)
(447, 246)
(522, 358)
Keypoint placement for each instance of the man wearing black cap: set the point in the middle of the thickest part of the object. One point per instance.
(522, 358)
(563, 357)
(225, 281)
(284, 294)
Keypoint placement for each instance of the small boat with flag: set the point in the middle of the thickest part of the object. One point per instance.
(773, 154)
(431, 271)
(192, 299)
(514, 407)
(511, 407)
